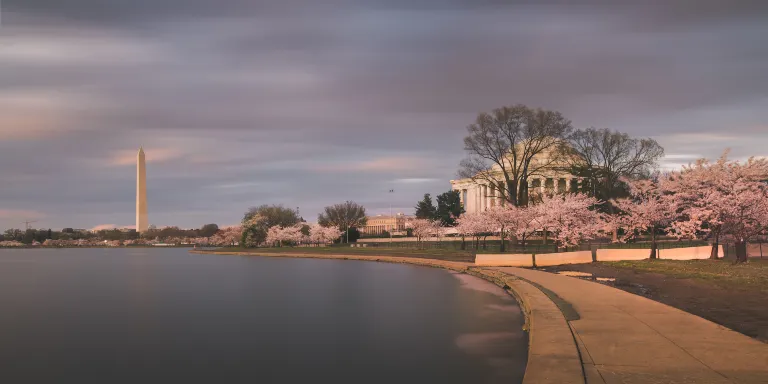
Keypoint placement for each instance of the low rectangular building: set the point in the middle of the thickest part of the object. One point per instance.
(384, 223)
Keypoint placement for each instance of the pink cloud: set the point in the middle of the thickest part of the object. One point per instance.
(29, 115)
(382, 164)
(153, 155)
(20, 214)
(111, 226)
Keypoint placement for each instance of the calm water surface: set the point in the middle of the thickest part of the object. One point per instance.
(167, 316)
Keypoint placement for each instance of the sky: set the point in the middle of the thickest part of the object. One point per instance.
(309, 103)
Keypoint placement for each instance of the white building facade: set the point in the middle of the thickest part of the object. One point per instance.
(482, 193)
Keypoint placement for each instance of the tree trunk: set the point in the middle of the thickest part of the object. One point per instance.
(741, 251)
(522, 192)
(501, 249)
(545, 237)
(512, 192)
(485, 245)
(463, 243)
(615, 232)
(713, 253)
(654, 246)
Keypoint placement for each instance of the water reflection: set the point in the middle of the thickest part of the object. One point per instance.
(163, 315)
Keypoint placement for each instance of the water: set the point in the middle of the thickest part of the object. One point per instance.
(167, 316)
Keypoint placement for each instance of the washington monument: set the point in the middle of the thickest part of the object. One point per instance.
(141, 193)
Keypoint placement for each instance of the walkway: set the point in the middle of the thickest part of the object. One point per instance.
(625, 338)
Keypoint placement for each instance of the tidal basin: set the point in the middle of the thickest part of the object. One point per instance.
(163, 315)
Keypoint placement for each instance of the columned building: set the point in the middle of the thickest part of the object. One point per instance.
(481, 193)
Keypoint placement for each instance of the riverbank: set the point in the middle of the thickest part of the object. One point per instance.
(553, 356)
(97, 246)
(436, 254)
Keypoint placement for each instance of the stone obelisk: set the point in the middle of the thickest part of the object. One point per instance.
(141, 193)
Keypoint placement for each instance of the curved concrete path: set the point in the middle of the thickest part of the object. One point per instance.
(625, 338)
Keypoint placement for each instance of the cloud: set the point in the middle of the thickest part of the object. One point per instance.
(381, 164)
(151, 155)
(20, 214)
(101, 227)
(39, 114)
(47, 50)
(308, 103)
(416, 180)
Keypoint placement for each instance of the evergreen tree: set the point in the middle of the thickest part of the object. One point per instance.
(449, 208)
(425, 209)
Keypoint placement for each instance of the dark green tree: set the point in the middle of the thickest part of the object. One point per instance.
(353, 235)
(29, 236)
(449, 208)
(208, 230)
(425, 209)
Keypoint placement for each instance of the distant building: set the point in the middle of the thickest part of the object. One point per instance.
(384, 223)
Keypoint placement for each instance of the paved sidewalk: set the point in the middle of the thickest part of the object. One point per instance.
(625, 338)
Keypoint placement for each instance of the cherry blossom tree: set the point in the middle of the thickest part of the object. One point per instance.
(526, 223)
(227, 236)
(322, 235)
(724, 199)
(291, 234)
(421, 228)
(646, 210)
(571, 217)
(474, 225)
(502, 220)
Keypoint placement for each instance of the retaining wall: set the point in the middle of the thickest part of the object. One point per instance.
(690, 253)
(578, 257)
(603, 254)
(504, 260)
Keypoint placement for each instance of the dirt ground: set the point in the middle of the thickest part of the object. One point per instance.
(735, 296)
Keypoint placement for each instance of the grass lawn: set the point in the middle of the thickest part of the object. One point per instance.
(438, 254)
(733, 295)
(753, 274)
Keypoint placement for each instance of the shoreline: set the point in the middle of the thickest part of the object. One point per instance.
(553, 356)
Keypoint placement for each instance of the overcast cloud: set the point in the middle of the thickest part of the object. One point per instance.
(240, 102)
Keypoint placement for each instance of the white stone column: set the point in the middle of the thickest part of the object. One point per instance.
(542, 181)
(491, 196)
(478, 201)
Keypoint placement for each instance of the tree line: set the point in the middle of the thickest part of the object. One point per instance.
(30, 236)
(287, 226)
